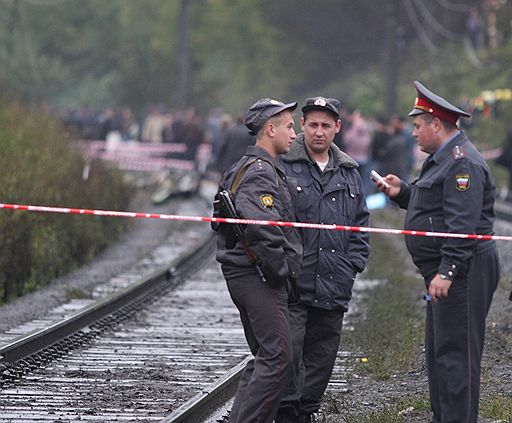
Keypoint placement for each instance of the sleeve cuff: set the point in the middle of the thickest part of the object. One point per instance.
(448, 269)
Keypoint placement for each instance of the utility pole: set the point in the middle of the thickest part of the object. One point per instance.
(184, 54)
(390, 61)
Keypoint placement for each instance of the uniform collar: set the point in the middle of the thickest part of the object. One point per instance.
(298, 153)
(445, 148)
(256, 150)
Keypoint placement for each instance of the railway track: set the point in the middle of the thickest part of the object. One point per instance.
(137, 363)
(172, 355)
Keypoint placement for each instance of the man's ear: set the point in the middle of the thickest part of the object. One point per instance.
(438, 125)
(339, 125)
(302, 123)
(270, 129)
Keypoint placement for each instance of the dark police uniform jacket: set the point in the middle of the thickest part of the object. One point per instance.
(454, 193)
(335, 196)
(263, 194)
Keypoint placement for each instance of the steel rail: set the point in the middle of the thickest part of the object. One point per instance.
(202, 406)
(205, 404)
(39, 340)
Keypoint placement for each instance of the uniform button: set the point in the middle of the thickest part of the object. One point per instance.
(299, 189)
(453, 266)
(352, 195)
(333, 199)
(316, 301)
(321, 249)
(330, 277)
(450, 273)
(333, 250)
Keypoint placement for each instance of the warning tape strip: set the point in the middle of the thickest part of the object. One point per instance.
(491, 154)
(303, 225)
(129, 147)
(144, 157)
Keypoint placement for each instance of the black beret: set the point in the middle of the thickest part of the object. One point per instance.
(323, 104)
(263, 110)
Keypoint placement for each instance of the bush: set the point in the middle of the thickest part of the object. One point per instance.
(39, 167)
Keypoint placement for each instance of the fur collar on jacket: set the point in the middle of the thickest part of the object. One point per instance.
(298, 152)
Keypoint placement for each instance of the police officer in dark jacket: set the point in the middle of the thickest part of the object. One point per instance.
(260, 190)
(327, 189)
(454, 193)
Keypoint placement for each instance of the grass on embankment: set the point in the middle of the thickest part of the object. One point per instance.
(392, 330)
(40, 167)
(391, 335)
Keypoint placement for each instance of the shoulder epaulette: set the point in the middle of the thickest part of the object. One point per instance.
(238, 178)
(458, 152)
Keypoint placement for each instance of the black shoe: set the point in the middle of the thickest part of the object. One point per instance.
(306, 418)
(286, 416)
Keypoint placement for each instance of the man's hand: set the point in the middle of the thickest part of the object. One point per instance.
(393, 185)
(438, 288)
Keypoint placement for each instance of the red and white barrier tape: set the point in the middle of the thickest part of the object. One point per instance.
(130, 147)
(141, 156)
(141, 215)
(491, 154)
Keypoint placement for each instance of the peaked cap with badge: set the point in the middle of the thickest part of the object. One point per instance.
(322, 104)
(454, 194)
(428, 102)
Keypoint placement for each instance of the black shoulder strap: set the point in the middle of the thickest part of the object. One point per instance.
(236, 182)
(238, 178)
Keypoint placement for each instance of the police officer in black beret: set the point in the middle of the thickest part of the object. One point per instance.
(260, 191)
(454, 193)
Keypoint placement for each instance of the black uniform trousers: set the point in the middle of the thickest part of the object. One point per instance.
(264, 316)
(316, 335)
(455, 332)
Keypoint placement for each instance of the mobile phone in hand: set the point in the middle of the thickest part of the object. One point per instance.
(374, 175)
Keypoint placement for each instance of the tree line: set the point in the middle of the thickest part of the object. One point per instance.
(131, 52)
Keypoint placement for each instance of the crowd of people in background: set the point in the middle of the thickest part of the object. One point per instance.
(158, 126)
(383, 144)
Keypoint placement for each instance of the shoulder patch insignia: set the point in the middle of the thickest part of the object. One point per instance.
(267, 201)
(462, 182)
(458, 152)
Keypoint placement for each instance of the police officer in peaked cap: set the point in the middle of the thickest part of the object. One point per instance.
(260, 191)
(454, 193)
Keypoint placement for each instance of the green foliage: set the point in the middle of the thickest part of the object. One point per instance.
(76, 294)
(391, 333)
(127, 52)
(365, 92)
(39, 167)
(404, 410)
(240, 49)
(47, 50)
(147, 53)
(238, 55)
(498, 407)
